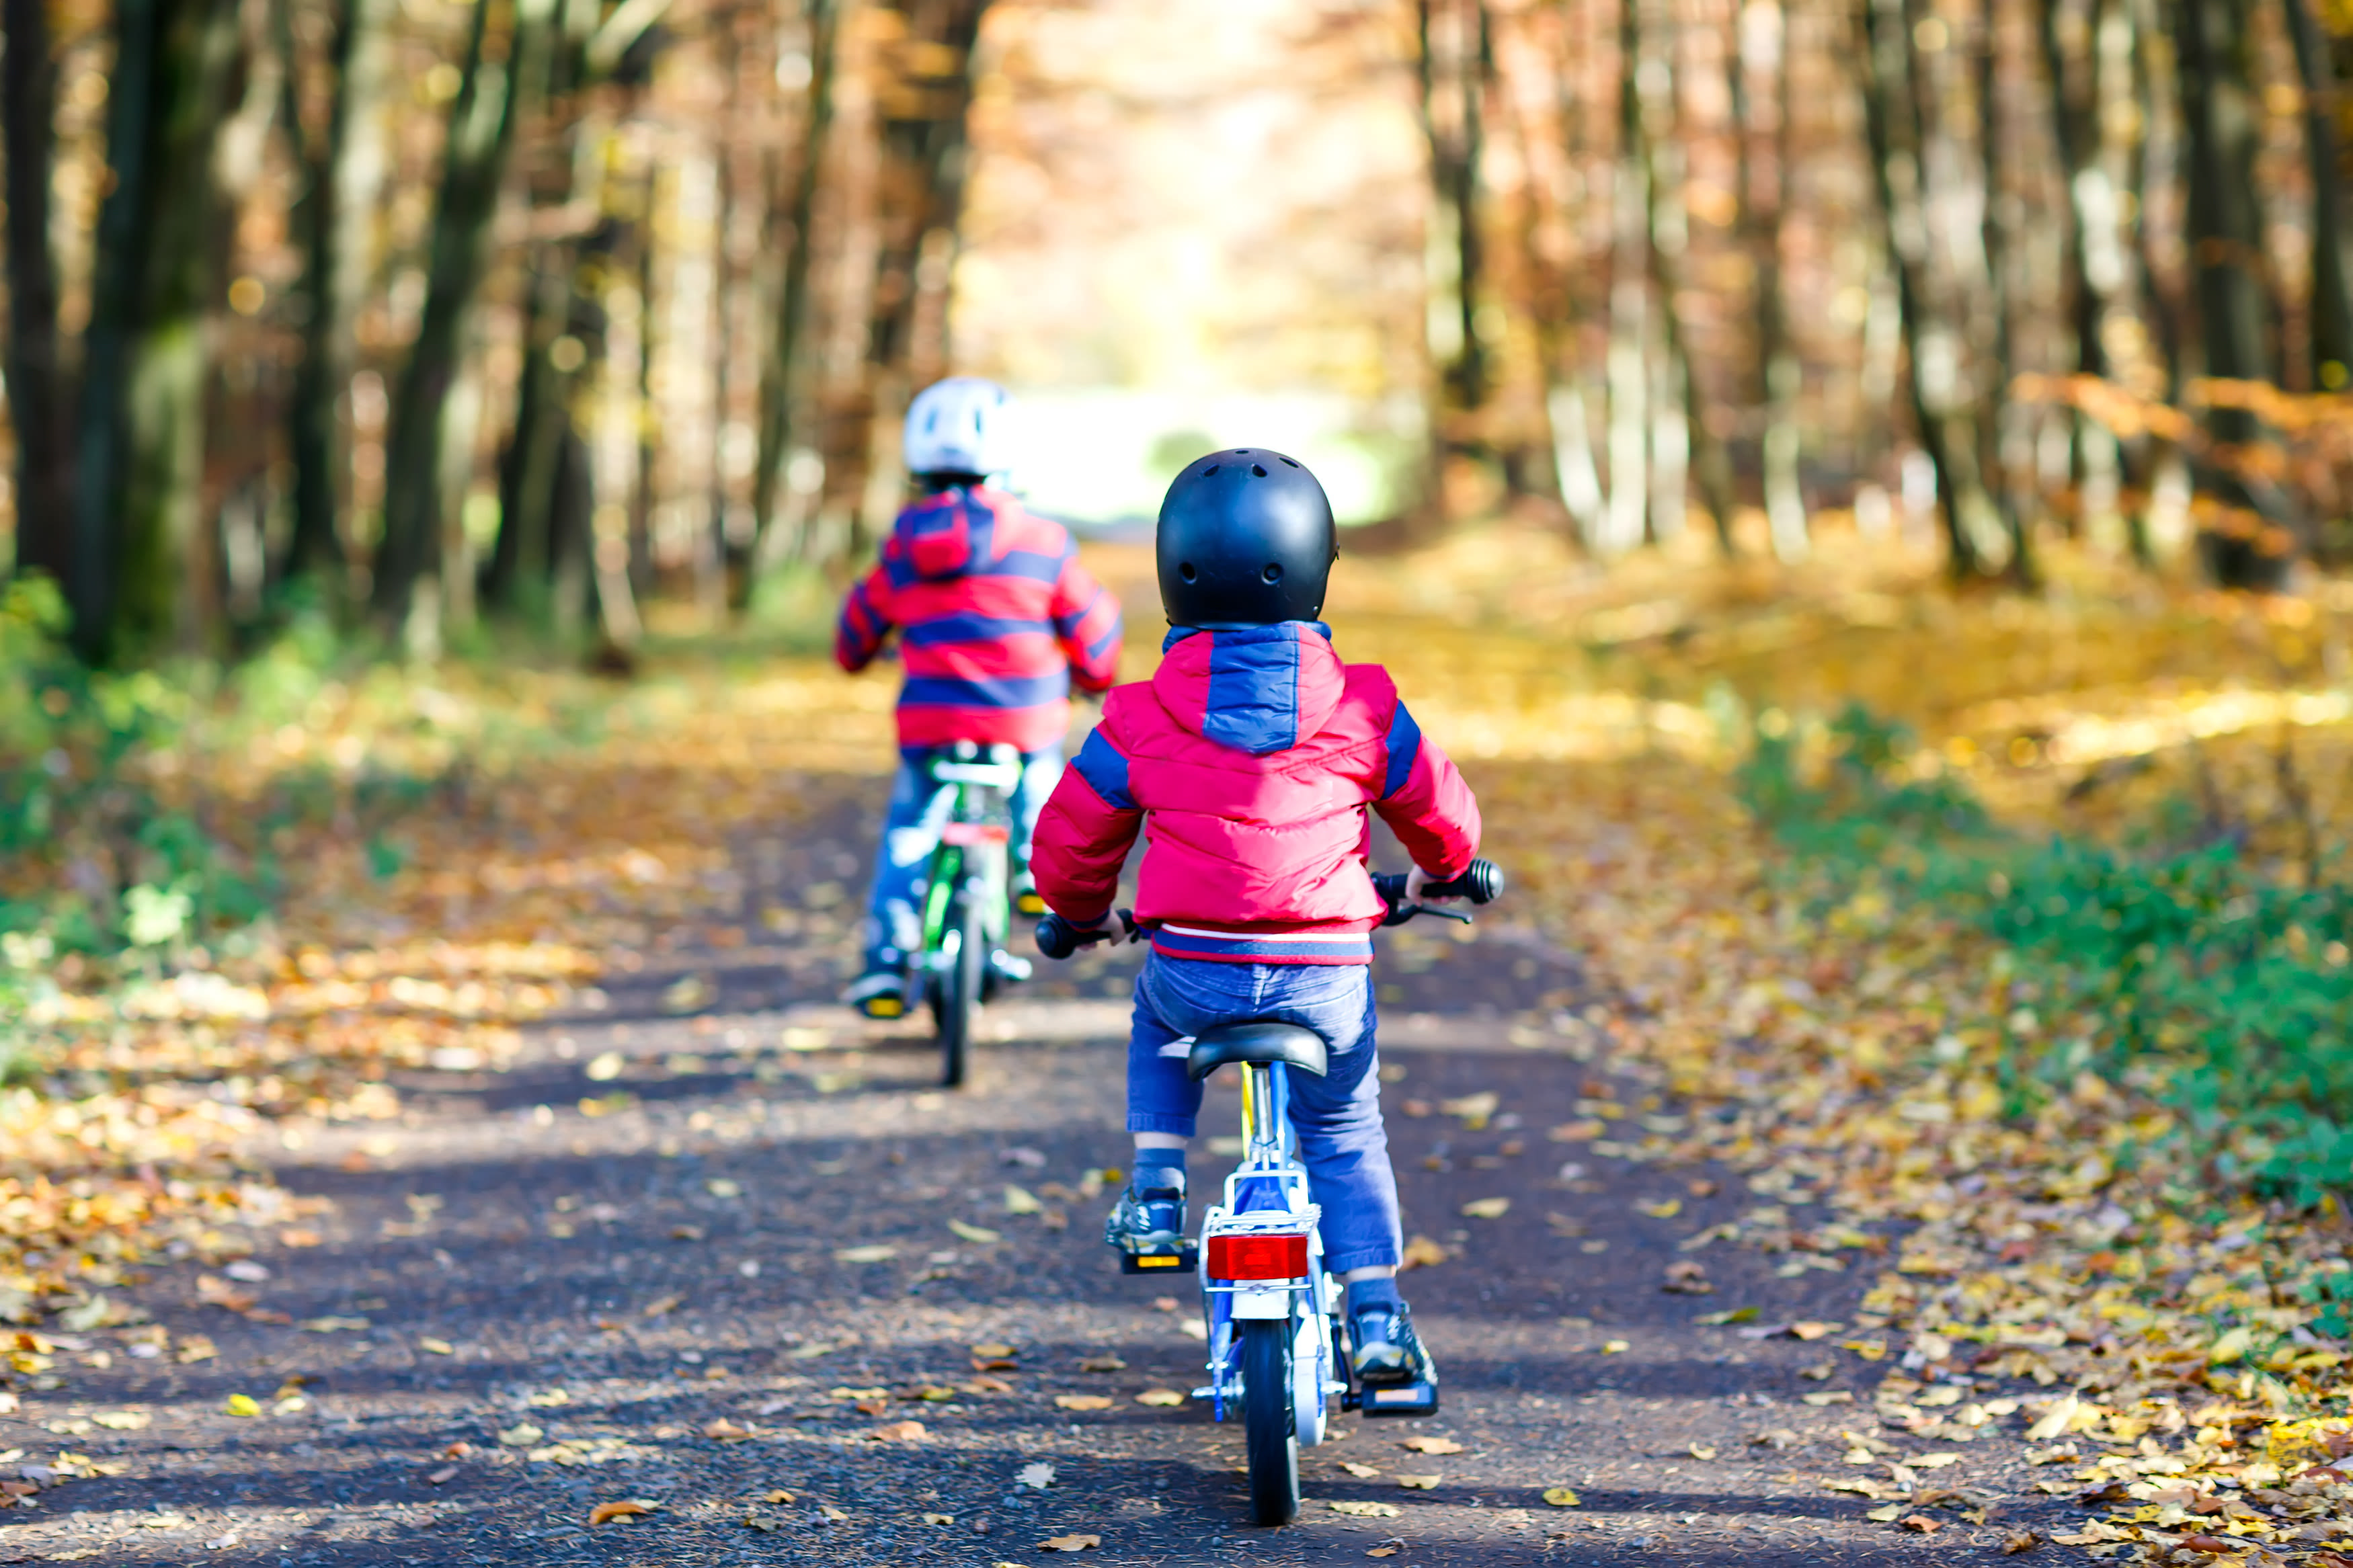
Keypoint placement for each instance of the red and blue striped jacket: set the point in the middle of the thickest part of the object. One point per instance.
(1256, 754)
(997, 621)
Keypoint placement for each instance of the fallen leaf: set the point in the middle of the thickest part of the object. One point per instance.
(1685, 1278)
(1422, 1253)
(605, 1066)
(1389, 1550)
(1700, 1451)
(1736, 1315)
(1163, 1398)
(1356, 1509)
(1922, 1524)
(1932, 1461)
(2018, 1541)
(2056, 1421)
(242, 1405)
(900, 1432)
(777, 1495)
(1821, 1371)
(1362, 1472)
(124, 1420)
(1812, 1331)
(521, 1436)
(1431, 1445)
(725, 1431)
(1081, 1401)
(630, 1508)
(994, 1352)
(445, 1474)
(1486, 1208)
(1665, 1208)
(1069, 1543)
(1038, 1476)
(978, 1235)
(1886, 1515)
(939, 1519)
(1021, 1200)
(1419, 1483)
(880, 1252)
(298, 1236)
(1829, 1397)
(436, 1347)
(1473, 1108)
(1103, 1364)
(660, 1308)
(1563, 1497)
(1615, 1347)
(193, 1349)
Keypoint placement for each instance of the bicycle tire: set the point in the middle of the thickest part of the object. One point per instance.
(960, 989)
(1269, 1436)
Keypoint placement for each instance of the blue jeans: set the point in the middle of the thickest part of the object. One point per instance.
(1338, 1116)
(911, 831)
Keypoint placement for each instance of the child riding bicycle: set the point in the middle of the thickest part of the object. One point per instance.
(997, 621)
(1255, 754)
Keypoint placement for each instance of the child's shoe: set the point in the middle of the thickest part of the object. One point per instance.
(1147, 1228)
(879, 993)
(1385, 1351)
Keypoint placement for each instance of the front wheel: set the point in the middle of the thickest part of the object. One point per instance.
(960, 989)
(1272, 1444)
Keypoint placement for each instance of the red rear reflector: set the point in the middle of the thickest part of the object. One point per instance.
(975, 833)
(1258, 1257)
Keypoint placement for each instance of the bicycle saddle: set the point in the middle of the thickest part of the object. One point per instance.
(1261, 1041)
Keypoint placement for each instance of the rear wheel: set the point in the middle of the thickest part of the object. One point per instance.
(1272, 1444)
(959, 995)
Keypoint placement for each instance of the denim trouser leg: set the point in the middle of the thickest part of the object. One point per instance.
(1337, 1116)
(911, 831)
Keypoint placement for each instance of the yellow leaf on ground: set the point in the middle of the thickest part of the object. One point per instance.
(1103, 1364)
(1362, 1472)
(242, 1405)
(1419, 1483)
(1356, 1509)
(1665, 1208)
(1562, 1497)
(1431, 1445)
(725, 1431)
(778, 1496)
(1812, 1331)
(1081, 1401)
(521, 1436)
(880, 1252)
(978, 1235)
(1021, 1200)
(993, 1353)
(124, 1420)
(627, 1508)
(1069, 1543)
(436, 1347)
(1422, 1253)
(900, 1432)
(1487, 1208)
(1165, 1398)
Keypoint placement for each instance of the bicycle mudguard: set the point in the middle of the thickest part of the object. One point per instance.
(1398, 1399)
(1186, 1262)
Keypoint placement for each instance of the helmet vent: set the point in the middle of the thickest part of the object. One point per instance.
(1288, 461)
(1259, 471)
(1185, 570)
(1212, 469)
(1273, 572)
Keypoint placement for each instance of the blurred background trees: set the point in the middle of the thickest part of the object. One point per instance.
(585, 313)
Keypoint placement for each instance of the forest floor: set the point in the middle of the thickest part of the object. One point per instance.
(531, 1169)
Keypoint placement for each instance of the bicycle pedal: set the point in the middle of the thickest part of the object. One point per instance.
(1184, 1262)
(1400, 1399)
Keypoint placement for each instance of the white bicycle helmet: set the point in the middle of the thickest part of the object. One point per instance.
(959, 425)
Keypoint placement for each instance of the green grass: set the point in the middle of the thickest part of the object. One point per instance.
(2209, 983)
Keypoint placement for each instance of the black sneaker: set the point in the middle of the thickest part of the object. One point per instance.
(1149, 1224)
(1385, 1351)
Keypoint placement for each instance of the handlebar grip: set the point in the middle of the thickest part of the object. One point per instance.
(1481, 884)
(1055, 938)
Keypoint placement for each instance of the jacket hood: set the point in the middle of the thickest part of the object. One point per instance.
(1259, 689)
(946, 535)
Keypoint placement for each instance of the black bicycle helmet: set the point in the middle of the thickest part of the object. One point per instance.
(1245, 539)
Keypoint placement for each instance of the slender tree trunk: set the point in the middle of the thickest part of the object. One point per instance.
(313, 434)
(1453, 118)
(1993, 348)
(2074, 111)
(1629, 299)
(2332, 299)
(780, 368)
(481, 129)
(2252, 546)
(1932, 348)
(1781, 375)
(141, 452)
(36, 384)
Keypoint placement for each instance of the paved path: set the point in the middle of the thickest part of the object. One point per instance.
(697, 1250)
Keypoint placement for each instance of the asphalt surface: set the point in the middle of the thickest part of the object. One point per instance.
(699, 1248)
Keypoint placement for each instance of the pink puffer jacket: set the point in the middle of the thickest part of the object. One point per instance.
(1255, 754)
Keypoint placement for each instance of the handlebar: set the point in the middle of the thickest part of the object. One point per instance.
(1482, 883)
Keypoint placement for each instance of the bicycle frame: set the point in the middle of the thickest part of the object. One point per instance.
(975, 836)
(1266, 1202)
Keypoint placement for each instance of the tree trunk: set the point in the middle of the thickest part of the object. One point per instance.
(141, 451)
(2252, 546)
(481, 129)
(37, 388)
(780, 368)
(1453, 114)
(316, 548)
(1993, 348)
(1890, 106)
(1629, 299)
(1781, 374)
(2332, 302)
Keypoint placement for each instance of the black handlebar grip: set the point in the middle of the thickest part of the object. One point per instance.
(1481, 884)
(1055, 938)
